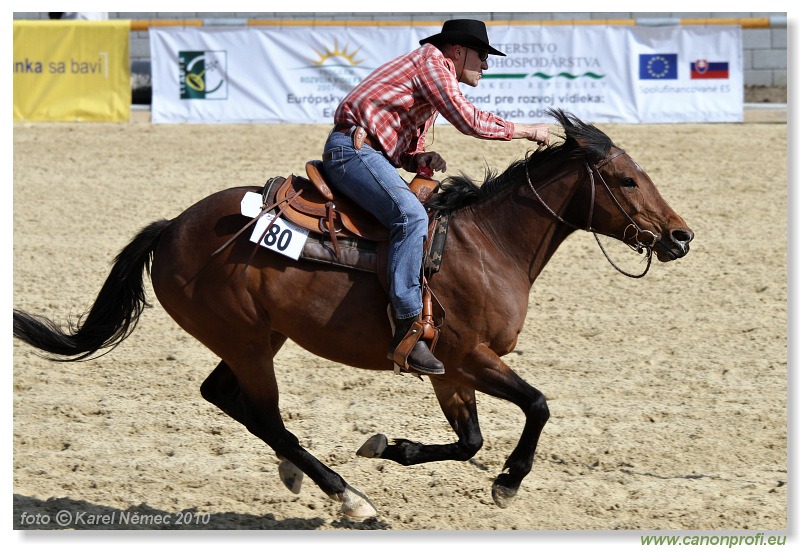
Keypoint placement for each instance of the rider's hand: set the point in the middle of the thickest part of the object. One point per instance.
(539, 133)
(432, 160)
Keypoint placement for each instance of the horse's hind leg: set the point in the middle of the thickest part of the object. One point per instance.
(222, 389)
(458, 406)
(248, 392)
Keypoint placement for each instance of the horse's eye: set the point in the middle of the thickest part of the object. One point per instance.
(628, 182)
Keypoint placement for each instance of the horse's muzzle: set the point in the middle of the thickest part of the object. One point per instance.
(675, 246)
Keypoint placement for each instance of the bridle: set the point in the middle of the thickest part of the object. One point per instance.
(639, 246)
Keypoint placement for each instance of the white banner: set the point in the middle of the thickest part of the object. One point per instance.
(601, 74)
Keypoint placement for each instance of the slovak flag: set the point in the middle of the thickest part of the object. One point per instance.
(703, 69)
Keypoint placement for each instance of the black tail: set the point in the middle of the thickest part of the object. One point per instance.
(114, 314)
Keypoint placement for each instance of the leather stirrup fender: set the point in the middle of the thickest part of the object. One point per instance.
(430, 332)
(330, 223)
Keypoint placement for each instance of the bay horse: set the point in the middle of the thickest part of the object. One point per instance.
(244, 306)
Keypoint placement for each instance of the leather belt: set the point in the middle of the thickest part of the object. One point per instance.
(360, 136)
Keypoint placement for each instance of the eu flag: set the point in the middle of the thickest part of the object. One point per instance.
(658, 66)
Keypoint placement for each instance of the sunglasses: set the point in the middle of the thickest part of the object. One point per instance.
(482, 55)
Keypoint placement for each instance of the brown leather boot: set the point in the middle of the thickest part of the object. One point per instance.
(420, 358)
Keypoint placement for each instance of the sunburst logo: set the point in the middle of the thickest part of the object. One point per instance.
(337, 56)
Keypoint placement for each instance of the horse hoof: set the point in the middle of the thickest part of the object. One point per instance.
(502, 495)
(291, 476)
(373, 447)
(355, 503)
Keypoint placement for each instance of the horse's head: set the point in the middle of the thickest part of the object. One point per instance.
(638, 215)
(624, 202)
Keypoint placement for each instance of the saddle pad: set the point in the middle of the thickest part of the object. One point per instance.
(354, 253)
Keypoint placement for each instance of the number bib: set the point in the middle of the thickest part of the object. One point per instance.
(282, 237)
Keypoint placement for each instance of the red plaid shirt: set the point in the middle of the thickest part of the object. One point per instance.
(398, 102)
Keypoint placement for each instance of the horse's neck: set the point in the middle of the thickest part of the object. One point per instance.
(525, 234)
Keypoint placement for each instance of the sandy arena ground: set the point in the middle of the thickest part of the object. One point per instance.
(668, 395)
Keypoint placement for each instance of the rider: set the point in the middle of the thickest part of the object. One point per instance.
(381, 125)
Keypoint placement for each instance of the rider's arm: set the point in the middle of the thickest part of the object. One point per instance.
(437, 82)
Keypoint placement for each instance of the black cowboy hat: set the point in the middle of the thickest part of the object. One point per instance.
(466, 32)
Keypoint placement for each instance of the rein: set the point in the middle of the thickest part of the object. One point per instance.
(639, 246)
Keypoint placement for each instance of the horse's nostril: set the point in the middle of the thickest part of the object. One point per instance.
(682, 235)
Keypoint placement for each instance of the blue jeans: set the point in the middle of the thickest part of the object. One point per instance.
(368, 178)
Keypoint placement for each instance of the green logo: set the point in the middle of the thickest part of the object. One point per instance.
(203, 75)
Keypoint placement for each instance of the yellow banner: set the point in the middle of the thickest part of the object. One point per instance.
(72, 70)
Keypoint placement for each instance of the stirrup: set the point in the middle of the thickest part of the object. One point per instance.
(419, 330)
(423, 328)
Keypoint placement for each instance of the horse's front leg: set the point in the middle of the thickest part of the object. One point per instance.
(485, 371)
(458, 406)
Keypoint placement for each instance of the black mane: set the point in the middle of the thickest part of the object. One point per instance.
(582, 141)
